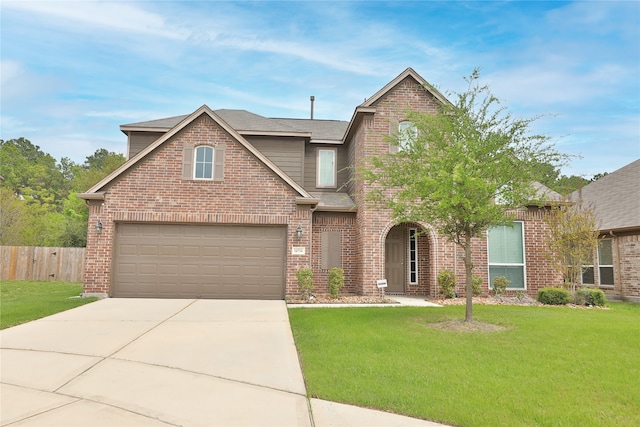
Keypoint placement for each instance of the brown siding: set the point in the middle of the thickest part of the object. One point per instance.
(310, 158)
(286, 153)
(138, 141)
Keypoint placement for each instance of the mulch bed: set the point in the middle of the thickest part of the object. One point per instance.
(341, 299)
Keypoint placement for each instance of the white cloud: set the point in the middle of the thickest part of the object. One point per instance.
(114, 16)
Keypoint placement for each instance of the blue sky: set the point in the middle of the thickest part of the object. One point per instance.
(72, 72)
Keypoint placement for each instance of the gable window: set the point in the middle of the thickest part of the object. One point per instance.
(326, 168)
(407, 134)
(506, 254)
(604, 266)
(203, 163)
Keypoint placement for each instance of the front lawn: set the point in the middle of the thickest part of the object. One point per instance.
(23, 301)
(551, 366)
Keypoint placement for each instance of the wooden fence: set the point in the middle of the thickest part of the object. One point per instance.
(41, 263)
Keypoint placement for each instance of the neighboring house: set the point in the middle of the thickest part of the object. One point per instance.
(230, 204)
(615, 199)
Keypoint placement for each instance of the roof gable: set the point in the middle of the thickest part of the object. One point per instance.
(94, 191)
(615, 198)
(409, 72)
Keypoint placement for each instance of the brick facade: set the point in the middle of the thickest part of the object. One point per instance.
(252, 192)
(154, 191)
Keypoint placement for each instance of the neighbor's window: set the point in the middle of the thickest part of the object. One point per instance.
(326, 173)
(203, 162)
(407, 134)
(605, 262)
(506, 254)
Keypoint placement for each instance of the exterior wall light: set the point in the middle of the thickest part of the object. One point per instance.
(299, 232)
(99, 227)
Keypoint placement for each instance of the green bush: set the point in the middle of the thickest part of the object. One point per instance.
(588, 296)
(554, 296)
(447, 283)
(336, 281)
(500, 283)
(305, 281)
(476, 283)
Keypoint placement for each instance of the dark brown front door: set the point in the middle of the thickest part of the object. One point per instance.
(395, 249)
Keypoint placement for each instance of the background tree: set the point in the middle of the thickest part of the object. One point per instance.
(451, 171)
(572, 240)
(39, 206)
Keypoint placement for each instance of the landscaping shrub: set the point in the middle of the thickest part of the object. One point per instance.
(554, 296)
(305, 281)
(588, 296)
(500, 283)
(476, 283)
(336, 281)
(447, 283)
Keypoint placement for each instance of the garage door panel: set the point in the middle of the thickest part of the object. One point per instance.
(193, 261)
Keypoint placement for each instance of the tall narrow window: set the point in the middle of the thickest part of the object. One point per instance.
(605, 262)
(326, 168)
(506, 254)
(413, 256)
(203, 162)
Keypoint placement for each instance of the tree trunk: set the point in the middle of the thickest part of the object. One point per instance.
(468, 267)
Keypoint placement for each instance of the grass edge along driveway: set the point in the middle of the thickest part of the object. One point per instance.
(551, 366)
(22, 301)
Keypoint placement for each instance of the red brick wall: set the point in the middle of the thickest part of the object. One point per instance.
(626, 266)
(373, 224)
(153, 191)
(345, 225)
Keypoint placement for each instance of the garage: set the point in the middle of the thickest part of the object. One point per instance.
(199, 261)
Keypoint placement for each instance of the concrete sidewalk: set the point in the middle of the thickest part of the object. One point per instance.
(151, 362)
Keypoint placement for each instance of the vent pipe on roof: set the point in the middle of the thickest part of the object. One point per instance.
(312, 98)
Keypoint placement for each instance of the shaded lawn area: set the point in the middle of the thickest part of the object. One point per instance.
(23, 301)
(552, 366)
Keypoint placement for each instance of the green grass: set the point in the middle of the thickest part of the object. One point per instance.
(552, 366)
(23, 301)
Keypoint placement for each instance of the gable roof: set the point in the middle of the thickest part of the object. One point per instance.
(544, 193)
(95, 191)
(615, 198)
(409, 72)
(368, 106)
(248, 123)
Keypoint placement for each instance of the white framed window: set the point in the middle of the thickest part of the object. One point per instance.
(506, 254)
(413, 256)
(603, 264)
(407, 134)
(203, 162)
(326, 176)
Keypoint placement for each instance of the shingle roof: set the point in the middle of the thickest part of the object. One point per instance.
(615, 198)
(245, 121)
(545, 194)
(334, 201)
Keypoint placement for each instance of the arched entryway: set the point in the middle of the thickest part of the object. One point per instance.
(407, 255)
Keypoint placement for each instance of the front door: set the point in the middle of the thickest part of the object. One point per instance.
(395, 250)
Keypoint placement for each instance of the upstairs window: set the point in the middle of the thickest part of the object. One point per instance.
(203, 163)
(407, 134)
(326, 168)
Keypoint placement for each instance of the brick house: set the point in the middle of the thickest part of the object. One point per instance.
(230, 204)
(615, 199)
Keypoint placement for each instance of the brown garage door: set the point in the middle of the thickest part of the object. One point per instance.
(199, 261)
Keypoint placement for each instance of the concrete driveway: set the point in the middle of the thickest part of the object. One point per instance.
(153, 362)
